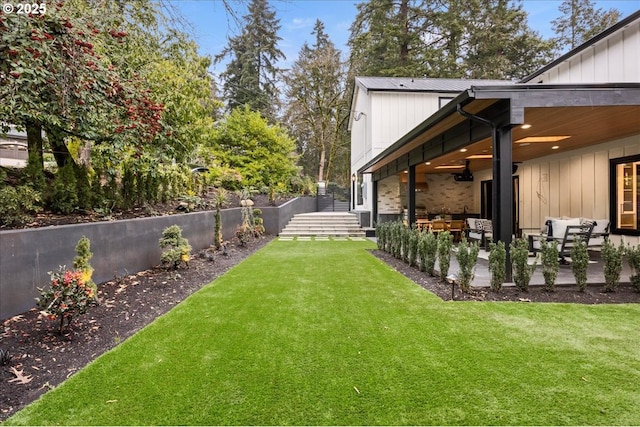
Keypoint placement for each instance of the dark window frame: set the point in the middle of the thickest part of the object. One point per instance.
(613, 196)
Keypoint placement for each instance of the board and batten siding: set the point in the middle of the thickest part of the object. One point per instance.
(397, 113)
(573, 184)
(615, 59)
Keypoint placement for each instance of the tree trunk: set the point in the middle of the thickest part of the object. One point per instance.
(323, 156)
(34, 144)
(60, 151)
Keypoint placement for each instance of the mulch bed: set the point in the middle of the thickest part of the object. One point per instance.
(562, 294)
(44, 359)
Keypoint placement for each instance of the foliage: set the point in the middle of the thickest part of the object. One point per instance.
(550, 263)
(467, 257)
(445, 244)
(67, 296)
(497, 265)
(246, 229)
(522, 271)
(580, 263)
(579, 21)
(258, 223)
(17, 204)
(633, 258)
(452, 39)
(612, 258)
(263, 154)
(317, 108)
(176, 249)
(251, 77)
(219, 200)
(63, 196)
(412, 248)
(428, 249)
(81, 261)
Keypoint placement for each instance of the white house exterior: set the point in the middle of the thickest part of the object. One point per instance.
(385, 108)
(13, 149)
(590, 98)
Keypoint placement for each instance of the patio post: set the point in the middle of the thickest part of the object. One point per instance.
(411, 196)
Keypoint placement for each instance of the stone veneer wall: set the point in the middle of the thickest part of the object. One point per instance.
(443, 192)
(389, 195)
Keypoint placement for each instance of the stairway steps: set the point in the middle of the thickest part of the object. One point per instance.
(336, 224)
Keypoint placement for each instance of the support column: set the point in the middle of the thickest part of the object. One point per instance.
(374, 203)
(411, 196)
(503, 191)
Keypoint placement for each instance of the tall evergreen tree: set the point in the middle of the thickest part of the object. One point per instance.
(580, 21)
(500, 44)
(447, 38)
(251, 77)
(316, 106)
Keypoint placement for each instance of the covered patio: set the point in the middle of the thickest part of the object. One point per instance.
(499, 127)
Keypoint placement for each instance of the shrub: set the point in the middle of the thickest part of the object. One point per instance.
(63, 194)
(17, 203)
(258, 223)
(497, 265)
(580, 263)
(550, 264)
(522, 271)
(467, 257)
(405, 241)
(67, 296)
(414, 238)
(81, 261)
(612, 258)
(633, 258)
(382, 230)
(428, 249)
(445, 243)
(219, 201)
(176, 249)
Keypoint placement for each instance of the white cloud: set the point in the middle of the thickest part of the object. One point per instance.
(299, 23)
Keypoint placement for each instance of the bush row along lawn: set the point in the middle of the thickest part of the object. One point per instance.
(323, 333)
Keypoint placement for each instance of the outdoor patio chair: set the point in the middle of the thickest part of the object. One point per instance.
(456, 227)
(572, 234)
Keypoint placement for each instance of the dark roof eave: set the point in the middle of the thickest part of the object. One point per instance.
(450, 108)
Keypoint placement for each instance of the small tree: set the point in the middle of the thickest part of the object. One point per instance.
(428, 249)
(445, 243)
(219, 200)
(81, 261)
(497, 265)
(245, 229)
(467, 257)
(522, 271)
(633, 258)
(176, 249)
(550, 264)
(580, 263)
(612, 258)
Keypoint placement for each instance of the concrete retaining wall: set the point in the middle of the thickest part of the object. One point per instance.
(119, 247)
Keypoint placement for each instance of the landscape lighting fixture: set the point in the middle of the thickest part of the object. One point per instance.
(480, 156)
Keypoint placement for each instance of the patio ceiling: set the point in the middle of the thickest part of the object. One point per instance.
(585, 115)
(585, 126)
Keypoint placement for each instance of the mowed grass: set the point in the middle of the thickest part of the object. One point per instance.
(323, 333)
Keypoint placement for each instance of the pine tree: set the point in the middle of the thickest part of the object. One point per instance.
(251, 77)
(317, 107)
(580, 21)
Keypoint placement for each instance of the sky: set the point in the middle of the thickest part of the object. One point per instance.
(210, 25)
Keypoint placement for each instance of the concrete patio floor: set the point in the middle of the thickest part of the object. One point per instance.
(595, 272)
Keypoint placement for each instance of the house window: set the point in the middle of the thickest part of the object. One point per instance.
(625, 195)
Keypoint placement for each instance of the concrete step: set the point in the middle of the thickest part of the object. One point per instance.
(341, 224)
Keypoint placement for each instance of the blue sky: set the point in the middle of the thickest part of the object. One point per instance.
(211, 26)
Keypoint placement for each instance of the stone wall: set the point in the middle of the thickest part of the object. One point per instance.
(389, 195)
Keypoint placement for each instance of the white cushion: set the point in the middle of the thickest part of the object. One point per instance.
(471, 223)
(559, 226)
(601, 226)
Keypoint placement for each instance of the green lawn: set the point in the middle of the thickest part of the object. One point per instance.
(322, 333)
